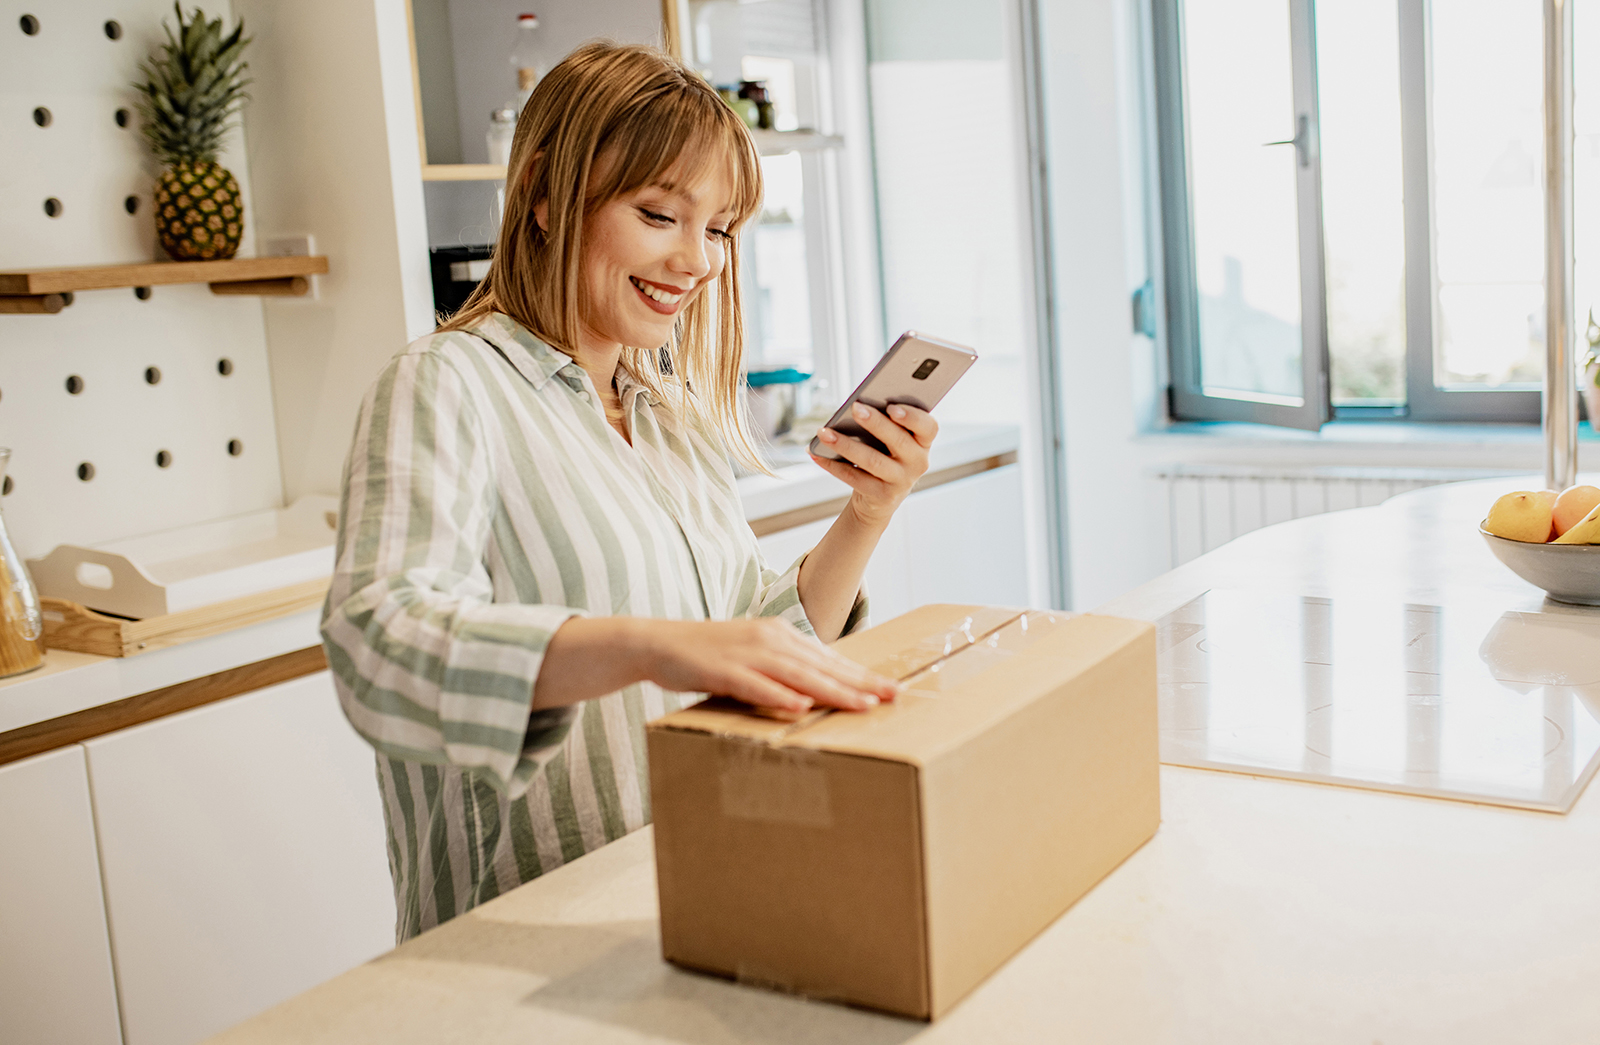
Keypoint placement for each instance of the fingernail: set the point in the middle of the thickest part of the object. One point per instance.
(861, 412)
(869, 701)
(827, 435)
(897, 412)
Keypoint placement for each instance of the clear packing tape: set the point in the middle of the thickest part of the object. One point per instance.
(978, 655)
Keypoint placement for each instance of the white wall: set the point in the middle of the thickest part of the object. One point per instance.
(1117, 514)
(334, 149)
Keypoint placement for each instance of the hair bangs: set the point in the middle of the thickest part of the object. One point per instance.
(676, 138)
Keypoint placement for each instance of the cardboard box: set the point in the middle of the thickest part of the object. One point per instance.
(895, 858)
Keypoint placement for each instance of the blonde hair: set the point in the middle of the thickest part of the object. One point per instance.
(607, 121)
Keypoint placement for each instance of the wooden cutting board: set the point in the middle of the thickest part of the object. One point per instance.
(67, 625)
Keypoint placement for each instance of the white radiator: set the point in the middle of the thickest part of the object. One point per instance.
(1209, 505)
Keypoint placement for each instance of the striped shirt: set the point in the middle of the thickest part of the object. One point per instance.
(486, 501)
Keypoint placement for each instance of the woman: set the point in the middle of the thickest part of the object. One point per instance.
(541, 544)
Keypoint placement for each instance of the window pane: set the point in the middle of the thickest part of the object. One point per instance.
(1363, 215)
(1586, 169)
(778, 309)
(1488, 202)
(1238, 96)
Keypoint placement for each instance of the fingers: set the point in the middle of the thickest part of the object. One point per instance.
(899, 441)
(758, 689)
(815, 672)
(812, 682)
(919, 423)
(850, 475)
(770, 665)
(862, 456)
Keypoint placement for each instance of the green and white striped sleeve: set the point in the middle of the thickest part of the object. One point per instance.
(428, 667)
(778, 595)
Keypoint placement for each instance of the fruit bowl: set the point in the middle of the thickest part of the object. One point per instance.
(1567, 572)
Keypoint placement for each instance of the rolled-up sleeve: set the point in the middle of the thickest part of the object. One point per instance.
(427, 666)
(778, 595)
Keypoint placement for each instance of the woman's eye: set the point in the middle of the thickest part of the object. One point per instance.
(650, 215)
(723, 234)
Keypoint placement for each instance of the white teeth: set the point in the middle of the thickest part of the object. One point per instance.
(657, 294)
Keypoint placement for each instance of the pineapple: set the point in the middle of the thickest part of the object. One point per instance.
(190, 92)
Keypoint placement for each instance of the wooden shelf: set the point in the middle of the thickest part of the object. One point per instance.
(768, 143)
(776, 143)
(50, 289)
(463, 172)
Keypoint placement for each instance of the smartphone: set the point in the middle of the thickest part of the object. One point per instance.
(916, 371)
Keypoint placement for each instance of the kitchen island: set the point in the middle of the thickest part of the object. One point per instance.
(1263, 910)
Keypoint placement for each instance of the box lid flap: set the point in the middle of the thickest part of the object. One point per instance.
(961, 696)
(965, 667)
(899, 648)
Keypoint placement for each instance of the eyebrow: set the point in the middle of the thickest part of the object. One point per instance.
(688, 197)
(677, 190)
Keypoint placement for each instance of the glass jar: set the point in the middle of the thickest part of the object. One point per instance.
(502, 129)
(21, 623)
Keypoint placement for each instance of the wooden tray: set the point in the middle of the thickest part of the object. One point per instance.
(70, 626)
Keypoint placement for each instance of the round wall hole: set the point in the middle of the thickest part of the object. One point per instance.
(113, 30)
(142, 293)
(42, 117)
(86, 471)
(52, 207)
(122, 117)
(30, 25)
(5, 487)
(235, 448)
(224, 366)
(131, 204)
(152, 375)
(163, 458)
(74, 384)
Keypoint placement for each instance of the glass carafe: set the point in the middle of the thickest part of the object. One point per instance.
(21, 624)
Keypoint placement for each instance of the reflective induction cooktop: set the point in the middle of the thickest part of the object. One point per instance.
(1473, 702)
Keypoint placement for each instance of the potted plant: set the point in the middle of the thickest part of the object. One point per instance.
(191, 90)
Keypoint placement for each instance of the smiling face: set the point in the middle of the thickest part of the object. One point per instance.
(648, 254)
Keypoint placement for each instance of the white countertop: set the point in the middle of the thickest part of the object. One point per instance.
(70, 682)
(804, 484)
(1263, 910)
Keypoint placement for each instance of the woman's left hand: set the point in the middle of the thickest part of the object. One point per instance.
(881, 481)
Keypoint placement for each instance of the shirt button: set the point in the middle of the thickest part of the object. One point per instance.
(585, 397)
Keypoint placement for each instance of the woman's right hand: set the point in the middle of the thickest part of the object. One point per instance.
(765, 662)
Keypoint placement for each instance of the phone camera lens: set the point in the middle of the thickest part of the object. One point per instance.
(924, 368)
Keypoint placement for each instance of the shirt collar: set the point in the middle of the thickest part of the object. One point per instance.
(537, 361)
(533, 359)
(626, 381)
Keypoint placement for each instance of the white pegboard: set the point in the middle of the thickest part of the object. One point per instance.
(108, 338)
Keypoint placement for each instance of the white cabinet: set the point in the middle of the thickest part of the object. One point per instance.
(960, 542)
(885, 578)
(55, 961)
(244, 857)
(965, 541)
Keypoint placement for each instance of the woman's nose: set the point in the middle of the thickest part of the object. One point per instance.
(691, 257)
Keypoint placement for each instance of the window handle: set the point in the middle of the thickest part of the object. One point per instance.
(1301, 140)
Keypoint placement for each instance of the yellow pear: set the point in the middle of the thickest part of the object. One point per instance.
(1574, 503)
(1521, 516)
(1584, 531)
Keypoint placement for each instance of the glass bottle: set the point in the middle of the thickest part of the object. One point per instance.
(527, 57)
(502, 129)
(21, 623)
